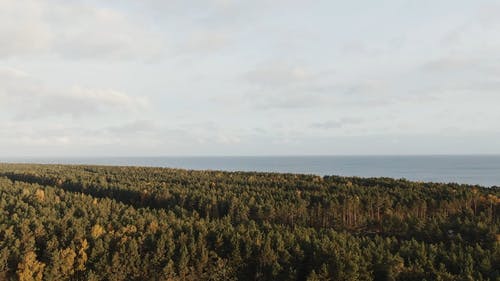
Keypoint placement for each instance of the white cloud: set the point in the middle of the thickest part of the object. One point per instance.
(287, 86)
(75, 31)
(78, 102)
(103, 33)
(242, 77)
(228, 139)
(479, 32)
(204, 41)
(134, 127)
(336, 124)
(278, 74)
(22, 31)
(27, 98)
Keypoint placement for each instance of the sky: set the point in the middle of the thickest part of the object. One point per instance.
(261, 77)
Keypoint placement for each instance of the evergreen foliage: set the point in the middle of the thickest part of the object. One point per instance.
(62, 222)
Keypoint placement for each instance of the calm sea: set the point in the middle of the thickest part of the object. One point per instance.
(482, 170)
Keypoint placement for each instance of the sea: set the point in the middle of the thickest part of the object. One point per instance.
(481, 170)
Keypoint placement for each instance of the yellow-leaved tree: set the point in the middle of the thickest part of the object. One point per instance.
(30, 269)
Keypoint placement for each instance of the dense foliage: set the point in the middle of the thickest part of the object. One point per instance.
(130, 223)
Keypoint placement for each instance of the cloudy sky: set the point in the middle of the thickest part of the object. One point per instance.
(261, 77)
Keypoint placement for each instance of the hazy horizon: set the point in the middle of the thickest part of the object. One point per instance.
(244, 156)
(232, 78)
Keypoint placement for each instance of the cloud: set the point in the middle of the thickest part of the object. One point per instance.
(73, 30)
(286, 86)
(479, 65)
(204, 41)
(88, 84)
(22, 31)
(15, 83)
(477, 32)
(360, 48)
(478, 75)
(132, 128)
(27, 98)
(228, 139)
(292, 99)
(278, 74)
(153, 132)
(336, 124)
(104, 33)
(78, 102)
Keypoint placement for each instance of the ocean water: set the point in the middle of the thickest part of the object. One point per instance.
(480, 170)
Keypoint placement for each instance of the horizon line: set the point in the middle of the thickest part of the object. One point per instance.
(245, 156)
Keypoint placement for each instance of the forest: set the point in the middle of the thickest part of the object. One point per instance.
(72, 222)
